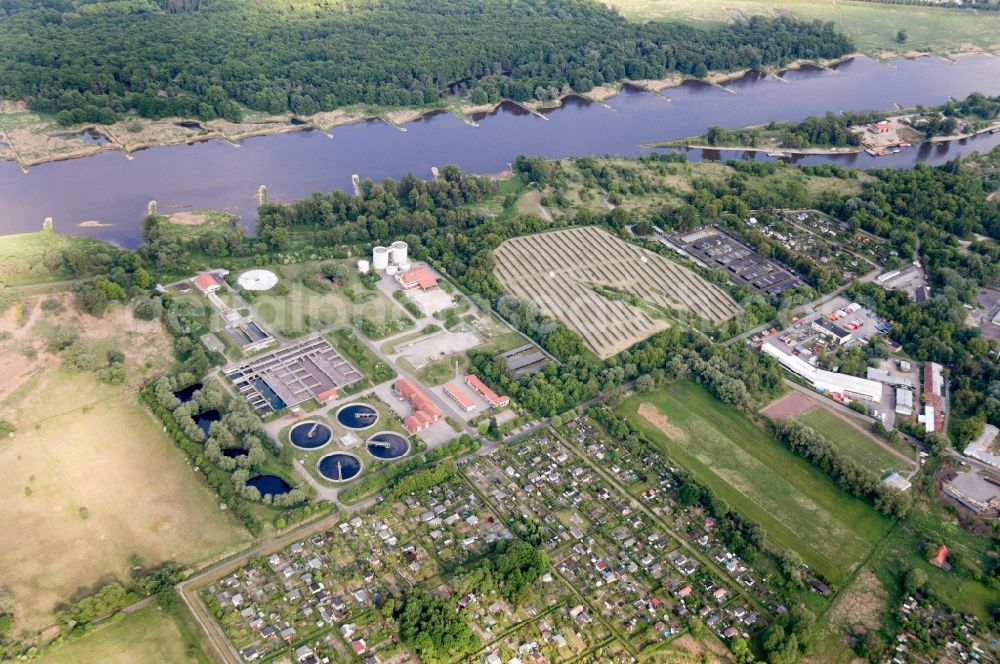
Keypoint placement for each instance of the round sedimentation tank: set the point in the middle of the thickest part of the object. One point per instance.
(357, 416)
(388, 445)
(310, 435)
(339, 467)
(257, 280)
(363, 266)
(380, 258)
(391, 270)
(397, 252)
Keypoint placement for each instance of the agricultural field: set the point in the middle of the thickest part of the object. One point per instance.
(147, 635)
(857, 444)
(796, 504)
(91, 477)
(872, 25)
(612, 293)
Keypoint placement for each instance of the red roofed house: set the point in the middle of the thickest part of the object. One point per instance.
(467, 404)
(208, 282)
(491, 397)
(881, 127)
(940, 558)
(327, 395)
(359, 646)
(425, 413)
(418, 276)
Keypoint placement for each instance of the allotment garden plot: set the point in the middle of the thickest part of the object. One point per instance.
(798, 506)
(583, 276)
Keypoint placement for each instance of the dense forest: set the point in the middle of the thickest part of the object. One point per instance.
(94, 61)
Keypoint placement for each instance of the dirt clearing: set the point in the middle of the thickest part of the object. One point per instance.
(790, 405)
(654, 416)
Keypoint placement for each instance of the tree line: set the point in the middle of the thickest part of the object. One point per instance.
(97, 61)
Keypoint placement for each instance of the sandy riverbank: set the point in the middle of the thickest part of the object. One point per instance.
(31, 139)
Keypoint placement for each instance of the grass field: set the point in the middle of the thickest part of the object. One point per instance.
(90, 476)
(24, 256)
(856, 444)
(872, 26)
(148, 635)
(304, 309)
(798, 507)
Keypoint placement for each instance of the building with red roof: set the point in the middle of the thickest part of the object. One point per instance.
(495, 400)
(208, 282)
(425, 412)
(940, 558)
(464, 402)
(417, 277)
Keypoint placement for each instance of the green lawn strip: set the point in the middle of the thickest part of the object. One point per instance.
(149, 634)
(872, 25)
(797, 505)
(32, 258)
(856, 444)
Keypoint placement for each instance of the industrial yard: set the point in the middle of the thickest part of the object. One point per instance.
(718, 249)
(584, 277)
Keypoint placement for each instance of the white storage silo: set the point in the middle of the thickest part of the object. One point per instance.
(397, 251)
(404, 267)
(363, 266)
(380, 258)
(391, 270)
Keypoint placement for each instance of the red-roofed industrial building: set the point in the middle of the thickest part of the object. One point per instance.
(417, 277)
(495, 400)
(464, 402)
(208, 282)
(425, 412)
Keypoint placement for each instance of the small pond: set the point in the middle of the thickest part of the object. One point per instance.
(339, 467)
(310, 435)
(233, 452)
(357, 416)
(271, 484)
(93, 137)
(204, 420)
(388, 445)
(187, 393)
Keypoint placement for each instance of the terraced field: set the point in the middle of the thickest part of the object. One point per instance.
(584, 277)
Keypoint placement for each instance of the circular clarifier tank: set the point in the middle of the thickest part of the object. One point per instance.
(310, 435)
(357, 416)
(388, 445)
(339, 467)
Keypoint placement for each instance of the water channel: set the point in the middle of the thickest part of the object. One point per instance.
(112, 189)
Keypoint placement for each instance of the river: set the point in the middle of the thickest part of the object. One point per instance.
(114, 190)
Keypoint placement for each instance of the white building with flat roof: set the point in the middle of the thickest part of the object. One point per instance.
(851, 387)
(904, 401)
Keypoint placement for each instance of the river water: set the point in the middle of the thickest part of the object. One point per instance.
(111, 189)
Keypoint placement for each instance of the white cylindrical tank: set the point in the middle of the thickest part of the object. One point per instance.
(363, 266)
(391, 270)
(404, 267)
(380, 258)
(397, 251)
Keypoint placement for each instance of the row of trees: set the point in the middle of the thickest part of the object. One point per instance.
(849, 475)
(93, 62)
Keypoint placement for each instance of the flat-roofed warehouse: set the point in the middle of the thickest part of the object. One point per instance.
(563, 271)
